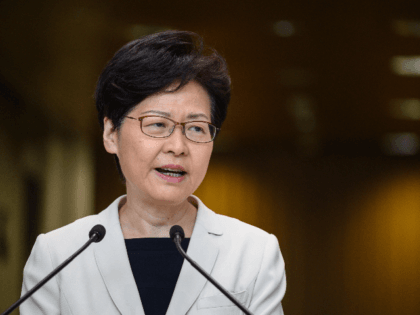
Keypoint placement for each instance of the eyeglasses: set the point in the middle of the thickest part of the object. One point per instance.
(162, 127)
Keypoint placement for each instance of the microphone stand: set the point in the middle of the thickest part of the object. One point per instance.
(208, 277)
(94, 238)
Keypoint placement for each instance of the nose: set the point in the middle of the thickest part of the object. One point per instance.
(176, 143)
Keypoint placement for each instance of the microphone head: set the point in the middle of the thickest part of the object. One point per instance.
(100, 231)
(176, 230)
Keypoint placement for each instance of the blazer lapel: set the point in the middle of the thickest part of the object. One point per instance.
(114, 266)
(203, 250)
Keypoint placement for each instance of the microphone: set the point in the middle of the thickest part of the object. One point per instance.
(96, 234)
(177, 235)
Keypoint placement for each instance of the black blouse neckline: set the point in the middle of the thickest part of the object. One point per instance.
(156, 265)
(153, 244)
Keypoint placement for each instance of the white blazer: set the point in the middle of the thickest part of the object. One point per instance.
(244, 259)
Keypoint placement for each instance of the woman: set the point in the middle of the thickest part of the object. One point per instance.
(161, 101)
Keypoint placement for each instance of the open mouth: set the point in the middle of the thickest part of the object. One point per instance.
(171, 172)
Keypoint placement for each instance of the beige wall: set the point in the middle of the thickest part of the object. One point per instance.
(63, 168)
(11, 204)
(69, 182)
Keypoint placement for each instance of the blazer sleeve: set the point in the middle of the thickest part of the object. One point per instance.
(46, 299)
(270, 285)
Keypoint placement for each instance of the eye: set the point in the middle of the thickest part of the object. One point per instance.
(155, 124)
(159, 124)
(197, 128)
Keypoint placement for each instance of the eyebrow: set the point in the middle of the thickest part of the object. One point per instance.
(190, 115)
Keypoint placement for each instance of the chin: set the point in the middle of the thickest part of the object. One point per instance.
(160, 193)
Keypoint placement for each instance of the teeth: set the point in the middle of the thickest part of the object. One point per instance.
(172, 174)
(172, 170)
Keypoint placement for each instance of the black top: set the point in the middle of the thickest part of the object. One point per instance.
(156, 264)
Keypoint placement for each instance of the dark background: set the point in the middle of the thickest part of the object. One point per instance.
(320, 146)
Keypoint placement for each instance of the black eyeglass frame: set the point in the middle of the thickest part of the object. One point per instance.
(140, 119)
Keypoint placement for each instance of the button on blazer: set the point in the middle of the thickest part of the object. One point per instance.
(244, 259)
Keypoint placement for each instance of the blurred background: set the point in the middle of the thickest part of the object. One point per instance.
(320, 147)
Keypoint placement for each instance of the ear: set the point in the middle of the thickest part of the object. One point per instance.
(110, 137)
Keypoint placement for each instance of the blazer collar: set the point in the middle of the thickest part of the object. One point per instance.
(206, 217)
(112, 261)
(203, 249)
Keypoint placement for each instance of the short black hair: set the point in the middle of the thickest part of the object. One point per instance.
(151, 64)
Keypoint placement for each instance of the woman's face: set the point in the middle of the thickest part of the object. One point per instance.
(140, 155)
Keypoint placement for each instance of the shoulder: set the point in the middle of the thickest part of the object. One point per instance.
(251, 242)
(70, 237)
(62, 242)
(221, 224)
(246, 252)
(75, 229)
(233, 231)
(239, 229)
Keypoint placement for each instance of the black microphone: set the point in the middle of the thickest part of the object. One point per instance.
(96, 234)
(177, 235)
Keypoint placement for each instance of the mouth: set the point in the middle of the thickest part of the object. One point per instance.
(171, 172)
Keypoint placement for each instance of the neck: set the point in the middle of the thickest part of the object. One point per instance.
(140, 218)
